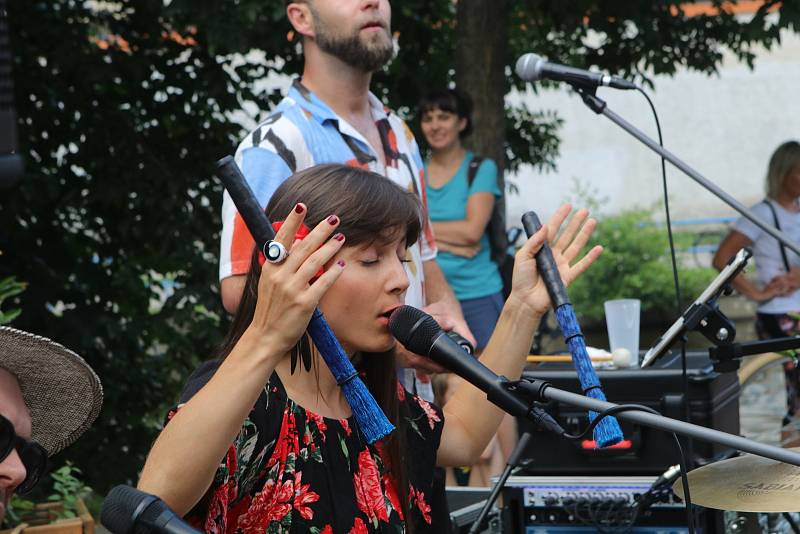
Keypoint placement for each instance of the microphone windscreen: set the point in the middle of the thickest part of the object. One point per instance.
(414, 328)
(528, 67)
(119, 506)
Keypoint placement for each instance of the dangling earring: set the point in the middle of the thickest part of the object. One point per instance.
(301, 351)
(305, 352)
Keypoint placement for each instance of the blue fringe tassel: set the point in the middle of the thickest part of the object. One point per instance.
(607, 432)
(368, 415)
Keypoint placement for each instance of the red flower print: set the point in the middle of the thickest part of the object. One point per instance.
(433, 417)
(392, 495)
(303, 497)
(401, 392)
(216, 517)
(232, 517)
(418, 499)
(288, 441)
(319, 421)
(272, 503)
(359, 527)
(326, 530)
(345, 426)
(367, 484)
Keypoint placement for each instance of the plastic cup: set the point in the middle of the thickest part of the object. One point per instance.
(622, 321)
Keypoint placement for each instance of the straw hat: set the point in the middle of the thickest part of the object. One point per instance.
(61, 391)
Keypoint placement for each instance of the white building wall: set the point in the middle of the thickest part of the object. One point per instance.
(726, 127)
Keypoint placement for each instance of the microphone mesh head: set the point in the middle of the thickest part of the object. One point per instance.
(529, 67)
(414, 328)
(119, 505)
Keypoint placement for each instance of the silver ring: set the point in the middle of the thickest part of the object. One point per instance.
(275, 252)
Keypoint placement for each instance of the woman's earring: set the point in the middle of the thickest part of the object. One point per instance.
(302, 352)
(305, 352)
(293, 357)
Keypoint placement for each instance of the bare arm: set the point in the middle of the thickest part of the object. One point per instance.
(465, 251)
(730, 245)
(231, 289)
(470, 230)
(182, 462)
(181, 465)
(442, 303)
(470, 420)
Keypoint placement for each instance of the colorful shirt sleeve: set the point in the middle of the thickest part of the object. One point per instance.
(427, 241)
(265, 167)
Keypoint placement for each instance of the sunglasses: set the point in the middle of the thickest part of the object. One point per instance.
(32, 455)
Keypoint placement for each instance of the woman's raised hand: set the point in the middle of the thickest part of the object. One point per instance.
(527, 286)
(286, 296)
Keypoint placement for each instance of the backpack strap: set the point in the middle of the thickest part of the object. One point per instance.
(472, 169)
(778, 226)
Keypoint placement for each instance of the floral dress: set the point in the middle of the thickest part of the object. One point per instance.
(292, 470)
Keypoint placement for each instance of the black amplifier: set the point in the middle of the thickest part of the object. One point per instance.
(713, 402)
(585, 504)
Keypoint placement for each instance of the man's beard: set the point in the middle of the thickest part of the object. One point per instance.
(352, 50)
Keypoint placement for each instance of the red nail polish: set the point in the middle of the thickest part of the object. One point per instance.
(333, 219)
(340, 263)
(339, 237)
(298, 208)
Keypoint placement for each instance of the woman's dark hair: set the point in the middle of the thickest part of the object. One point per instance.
(450, 100)
(371, 208)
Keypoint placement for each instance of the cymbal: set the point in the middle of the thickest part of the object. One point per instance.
(745, 484)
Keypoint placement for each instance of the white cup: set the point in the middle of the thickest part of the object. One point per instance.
(622, 321)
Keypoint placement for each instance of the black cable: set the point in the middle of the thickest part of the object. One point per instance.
(675, 278)
(682, 459)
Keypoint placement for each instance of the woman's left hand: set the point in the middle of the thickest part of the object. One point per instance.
(527, 286)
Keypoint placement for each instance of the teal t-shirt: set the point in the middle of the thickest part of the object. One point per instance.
(475, 277)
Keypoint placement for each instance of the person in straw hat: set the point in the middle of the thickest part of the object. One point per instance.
(49, 396)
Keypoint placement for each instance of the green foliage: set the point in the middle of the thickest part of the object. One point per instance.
(635, 264)
(66, 488)
(120, 125)
(9, 287)
(124, 108)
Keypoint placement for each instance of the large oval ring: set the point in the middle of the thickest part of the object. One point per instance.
(275, 252)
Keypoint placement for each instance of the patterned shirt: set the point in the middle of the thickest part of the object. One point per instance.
(303, 131)
(292, 470)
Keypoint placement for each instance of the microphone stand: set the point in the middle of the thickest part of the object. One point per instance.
(542, 391)
(599, 106)
(513, 460)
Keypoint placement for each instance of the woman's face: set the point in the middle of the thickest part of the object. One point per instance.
(791, 182)
(372, 285)
(441, 128)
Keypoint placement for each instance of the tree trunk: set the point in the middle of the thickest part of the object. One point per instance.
(481, 44)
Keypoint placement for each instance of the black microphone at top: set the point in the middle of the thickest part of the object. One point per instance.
(421, 334)
(127, 510)
(531, 67)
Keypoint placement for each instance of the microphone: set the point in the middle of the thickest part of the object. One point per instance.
(531, 67)
(127, 510)
(421, 334)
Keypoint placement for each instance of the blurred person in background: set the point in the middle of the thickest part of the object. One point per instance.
(462, 190)
(776, 289)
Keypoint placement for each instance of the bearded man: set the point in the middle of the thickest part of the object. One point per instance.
(330, 116)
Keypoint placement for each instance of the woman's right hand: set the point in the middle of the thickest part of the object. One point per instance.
(286, 295)
(779, 286)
